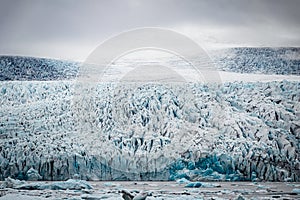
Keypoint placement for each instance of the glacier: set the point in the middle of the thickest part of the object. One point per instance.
(280, 61)
(233, 131)
(264, 60)
(51, 129)
(36, 69)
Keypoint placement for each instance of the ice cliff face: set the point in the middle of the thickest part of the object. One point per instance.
(235, 131)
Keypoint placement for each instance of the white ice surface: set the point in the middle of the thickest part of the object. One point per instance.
(233, 76)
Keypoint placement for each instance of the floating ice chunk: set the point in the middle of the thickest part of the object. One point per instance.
(70, 184)
(96, 197)
(193, 185)
(33, 175)
(126, 195)
(142, 195)
(11, 183)
(20, 197)
(202, 184)
(296, 190)
(110, 184)
(240, 197)
(182, 181)
(210, 185)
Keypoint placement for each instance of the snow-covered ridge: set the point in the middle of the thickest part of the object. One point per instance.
(31, 68)
(285, 60)
(281, 61)
(235, 131)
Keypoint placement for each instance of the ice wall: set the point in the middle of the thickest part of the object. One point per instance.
(234, 131)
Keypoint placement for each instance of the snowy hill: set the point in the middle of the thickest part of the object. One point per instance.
(40, 69)
(259, 60)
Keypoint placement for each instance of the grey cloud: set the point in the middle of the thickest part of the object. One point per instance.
(27, 26)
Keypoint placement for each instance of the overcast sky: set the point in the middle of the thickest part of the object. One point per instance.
(71, 29)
